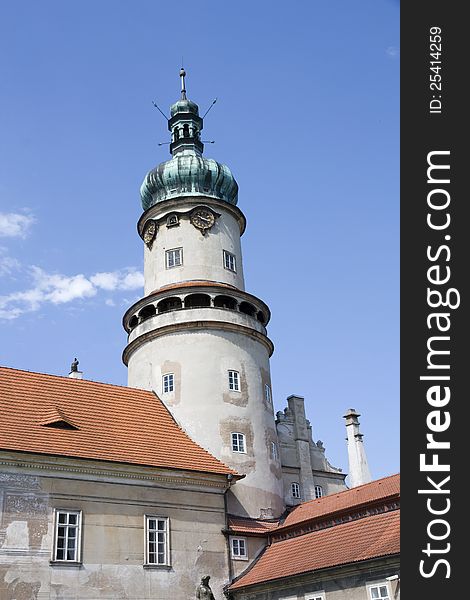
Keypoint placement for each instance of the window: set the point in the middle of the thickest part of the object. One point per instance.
(379, 591)
(238, 547)
(295, 490)
(274, 451)
(67, 536)
(315, 596)
(267, 394)
(238, 442)
(234, 381)
(168, 383)
(174, 258)
(318, 491)
(172, 220)
(230, 262)
(157, 546)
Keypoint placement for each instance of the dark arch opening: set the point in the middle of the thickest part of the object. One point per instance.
(168, 304)
(197, 301)
(185, 130)
(261, 318)
(133, 321)
(225, 302)
(147, 312)
(248, 309)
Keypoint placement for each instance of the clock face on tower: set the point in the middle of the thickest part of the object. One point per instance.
(203, 219)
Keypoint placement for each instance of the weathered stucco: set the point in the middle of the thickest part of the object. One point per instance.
(112, 536)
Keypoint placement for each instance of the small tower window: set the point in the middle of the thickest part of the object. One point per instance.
(185, 130)
(267, 394)
(230, 262)
(168, 383)
(295, 489)
(318, 491)
(234, 381)
(238, 548)
(274, 451)
(172, 220)
(238, 443)
(174, 258)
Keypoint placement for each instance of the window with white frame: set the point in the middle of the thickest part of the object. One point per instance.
(168, 383)
(238, 548)
(379, 592)
(230, 262)
(238, 442)
(67, 535)
(295, 489)
(267, 394)
(157, 541)
(274, 451)
(174, 257)
(315, 596)
(234, 381)
(318, 491)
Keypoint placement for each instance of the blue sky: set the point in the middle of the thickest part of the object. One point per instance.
(307, 118)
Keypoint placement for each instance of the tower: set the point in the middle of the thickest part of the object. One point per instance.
(197, 338)
(359, 472)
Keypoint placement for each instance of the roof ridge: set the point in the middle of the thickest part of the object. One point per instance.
(336, 494)
(72, 379)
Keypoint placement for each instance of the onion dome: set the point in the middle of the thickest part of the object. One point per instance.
(188, 173)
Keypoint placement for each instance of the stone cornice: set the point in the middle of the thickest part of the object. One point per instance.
(76, 468)
(194, 326)
(174, 204)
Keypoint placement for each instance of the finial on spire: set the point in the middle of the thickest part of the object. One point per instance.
(183, 85)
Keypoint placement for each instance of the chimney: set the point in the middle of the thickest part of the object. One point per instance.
(74, 372)
(358, 467)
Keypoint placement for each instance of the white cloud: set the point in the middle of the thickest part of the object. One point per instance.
(8, 264)
(60, 289)
(15, 224)
(393, 51)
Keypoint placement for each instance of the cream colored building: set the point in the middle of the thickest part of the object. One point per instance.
(138, 492)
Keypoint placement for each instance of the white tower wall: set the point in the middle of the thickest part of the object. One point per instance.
(209, 412)
(203, 255)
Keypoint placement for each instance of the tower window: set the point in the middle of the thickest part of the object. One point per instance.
(318, 491)
(67, 536)
(230, 261)
(274, 451)
(238, 548)
(174, 258)
(295, 489)
(234, 381)
(238, 443)
(157, 551)
(168, 383)
(172, 220)
(267, 394)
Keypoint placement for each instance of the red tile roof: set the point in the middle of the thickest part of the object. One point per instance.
(371, 537)
(253, 526)
(381, 489)
(113, 423)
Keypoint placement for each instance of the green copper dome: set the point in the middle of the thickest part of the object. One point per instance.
(188, 173)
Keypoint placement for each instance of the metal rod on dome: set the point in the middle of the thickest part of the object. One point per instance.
(158, 108)
(213, 102)
(183, 85)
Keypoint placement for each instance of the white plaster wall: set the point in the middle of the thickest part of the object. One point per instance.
(209, 412)
(202, 254)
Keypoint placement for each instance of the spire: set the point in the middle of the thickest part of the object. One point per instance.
(359, 472)
(183, 84)
(185, 123)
